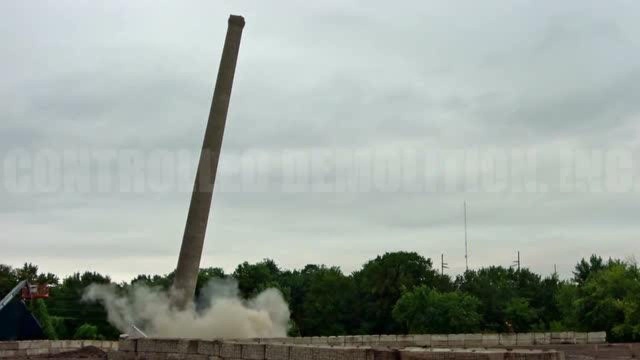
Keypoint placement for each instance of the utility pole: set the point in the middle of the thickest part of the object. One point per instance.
(466, 254)
(443, 265)
(517, 262)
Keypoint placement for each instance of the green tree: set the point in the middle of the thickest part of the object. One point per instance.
(521, 292)
(254, 278)
(585, 268)
(382, 281)
(39, 309)
(8, 279)
(424, 310)
(292, 285)
(610, 300)
(28, 272)
(328, 302)
(60, 328)
(494, 287)
(47, 279)
(65, 302)
(566, 298)
(160, 281)
(393, 293)
(546, 304)
(519, 314)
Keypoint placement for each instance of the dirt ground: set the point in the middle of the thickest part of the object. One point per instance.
(89, 352)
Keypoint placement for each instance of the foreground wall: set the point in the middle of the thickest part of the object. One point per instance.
(450, 340)
(164, 349)
(360, 347)
(10, 349)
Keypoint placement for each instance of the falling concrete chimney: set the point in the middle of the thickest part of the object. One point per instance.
(184, 283)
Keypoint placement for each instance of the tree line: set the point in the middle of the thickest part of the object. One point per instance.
(395, 293)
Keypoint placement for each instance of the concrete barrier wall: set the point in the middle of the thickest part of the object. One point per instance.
(448, 340)
(279, 348)
(164, 349)
(10, 349)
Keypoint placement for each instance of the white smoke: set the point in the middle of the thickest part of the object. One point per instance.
(221, 312)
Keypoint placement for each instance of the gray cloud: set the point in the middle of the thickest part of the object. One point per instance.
(335, 77)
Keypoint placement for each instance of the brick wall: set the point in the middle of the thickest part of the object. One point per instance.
(164, 349)
(449, 340)
(359, 347)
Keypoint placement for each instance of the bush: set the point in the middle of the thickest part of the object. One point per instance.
(60, 327)
(86, 332)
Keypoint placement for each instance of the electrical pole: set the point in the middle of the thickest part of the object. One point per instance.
(466, 255)
(517, 262)
(443, 265)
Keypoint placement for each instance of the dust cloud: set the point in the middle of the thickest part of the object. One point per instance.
(220, 311)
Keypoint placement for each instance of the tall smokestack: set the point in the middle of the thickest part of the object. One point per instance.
(184, 284)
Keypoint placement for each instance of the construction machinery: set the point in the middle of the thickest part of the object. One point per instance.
(16, 321)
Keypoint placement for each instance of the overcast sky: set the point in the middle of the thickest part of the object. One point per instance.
(423, 104)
